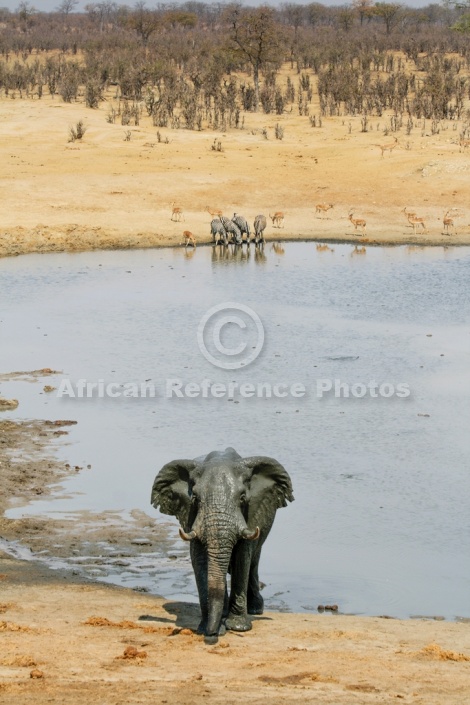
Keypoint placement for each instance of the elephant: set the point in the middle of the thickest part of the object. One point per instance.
(242, 225)
(259, 227)
(226, 506)
(218, 232)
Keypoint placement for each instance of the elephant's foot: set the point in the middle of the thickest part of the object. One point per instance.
(255, 604)
(210, 640)
(238, 623)
(202, 629)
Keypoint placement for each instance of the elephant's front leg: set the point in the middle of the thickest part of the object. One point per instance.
(238, 619)
(199, 561)
(255, 600)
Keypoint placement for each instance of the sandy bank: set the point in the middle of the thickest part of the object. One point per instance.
(107, 193)
(69, 640)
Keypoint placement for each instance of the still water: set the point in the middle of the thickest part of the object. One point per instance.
(380, 523)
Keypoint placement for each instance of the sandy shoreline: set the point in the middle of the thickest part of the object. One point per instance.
(45, 240)
(68, 639)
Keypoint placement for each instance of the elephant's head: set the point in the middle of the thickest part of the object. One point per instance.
(219, 500)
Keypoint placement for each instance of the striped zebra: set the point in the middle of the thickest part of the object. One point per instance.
(243, 225)
(218, 232)
(259, 227)
(232, 229)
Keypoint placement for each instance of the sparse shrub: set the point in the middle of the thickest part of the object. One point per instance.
(93, 94)
(77, 132)
(278, 131)
(127, 136)
(68, 88)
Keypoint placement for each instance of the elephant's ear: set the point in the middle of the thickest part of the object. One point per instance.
(170, 490)
(270, 489)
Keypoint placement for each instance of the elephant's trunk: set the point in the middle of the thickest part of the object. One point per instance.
(217, 568)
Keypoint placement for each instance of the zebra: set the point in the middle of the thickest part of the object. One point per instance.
(218, 232)
(242, 224)
(259, 227)
(232, 229)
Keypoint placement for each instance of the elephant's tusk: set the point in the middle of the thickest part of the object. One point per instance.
(251, 535)
(187, 537)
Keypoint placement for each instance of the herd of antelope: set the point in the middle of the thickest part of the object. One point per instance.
(237, 227)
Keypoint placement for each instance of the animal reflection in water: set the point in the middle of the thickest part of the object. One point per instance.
(358, 251)
(236, 253)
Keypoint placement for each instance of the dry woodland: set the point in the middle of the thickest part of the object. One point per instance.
(353, 122)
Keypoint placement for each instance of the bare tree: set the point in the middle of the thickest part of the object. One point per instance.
(143, 21)
(256, 38)
(67, 6)
(364, 8)
(25, 12)
(389, 12)
(101, 12)
(345, 17)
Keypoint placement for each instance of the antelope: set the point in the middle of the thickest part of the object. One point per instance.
(189, 238)
(448, 222)
(278, 219)
(323, 207)
(214, 212)
(387, 147)
(357, 222)
(408, 214)
(325, 248)
(278, 248)
(176, 213)
(463, 143)
(414, 221)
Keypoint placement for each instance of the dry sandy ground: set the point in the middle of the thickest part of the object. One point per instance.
(71, 641)
(105, 192)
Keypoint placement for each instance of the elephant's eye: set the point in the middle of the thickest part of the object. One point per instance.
(194, 496)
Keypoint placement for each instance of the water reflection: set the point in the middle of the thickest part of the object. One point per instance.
(278, 248)
(237, 254)
(358, 251)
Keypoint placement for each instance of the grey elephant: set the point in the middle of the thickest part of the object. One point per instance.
(226, 506)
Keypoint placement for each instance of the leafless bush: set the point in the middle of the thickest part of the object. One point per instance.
(93, 94)
(111, 115)
(77, 131)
